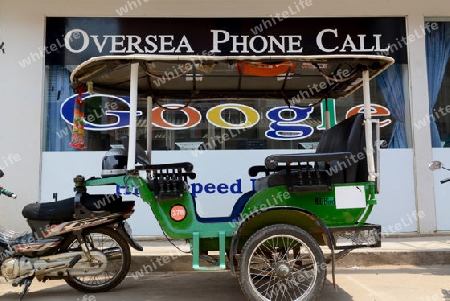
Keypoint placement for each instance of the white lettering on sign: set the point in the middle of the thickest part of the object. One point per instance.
(68, 39)
(326, 41)
(349, 45)
(129, 43)
(258, 43)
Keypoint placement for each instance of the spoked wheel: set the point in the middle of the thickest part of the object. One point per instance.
(117, 252)
(280, 263)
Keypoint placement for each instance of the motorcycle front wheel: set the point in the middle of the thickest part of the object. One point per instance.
(109, 242)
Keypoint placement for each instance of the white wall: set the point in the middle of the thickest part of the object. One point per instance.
(22, 27)
(396, 200)
(442, 191)
(396, 203)
(21, 113)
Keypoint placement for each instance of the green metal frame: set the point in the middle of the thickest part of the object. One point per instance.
(217, 236)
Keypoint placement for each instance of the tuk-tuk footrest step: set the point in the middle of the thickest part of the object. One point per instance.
(196, 256)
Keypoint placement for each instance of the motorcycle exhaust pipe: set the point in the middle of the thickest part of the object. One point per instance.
(112, 253)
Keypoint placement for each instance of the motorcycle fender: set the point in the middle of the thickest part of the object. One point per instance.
(125, 230)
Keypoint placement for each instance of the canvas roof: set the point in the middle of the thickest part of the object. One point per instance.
(212, 77)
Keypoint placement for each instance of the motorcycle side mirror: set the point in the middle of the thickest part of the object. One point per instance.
(1, 173)
(435, 165)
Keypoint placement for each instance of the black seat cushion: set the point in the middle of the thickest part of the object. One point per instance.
(346, 136)
(64, 210)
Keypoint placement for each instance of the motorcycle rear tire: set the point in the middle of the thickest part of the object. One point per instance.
(112, 237)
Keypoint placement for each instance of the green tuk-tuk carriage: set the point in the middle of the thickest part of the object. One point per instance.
(271, 241)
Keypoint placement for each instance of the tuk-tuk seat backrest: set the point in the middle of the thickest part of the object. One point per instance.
(346, 136)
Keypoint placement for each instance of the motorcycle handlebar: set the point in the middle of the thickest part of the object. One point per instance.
(7, 193)
(445, 180)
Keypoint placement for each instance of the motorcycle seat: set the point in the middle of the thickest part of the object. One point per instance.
(64, 210)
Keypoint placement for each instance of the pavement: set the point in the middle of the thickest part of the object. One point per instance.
(404, 268)
(375, 283)
(160, 255)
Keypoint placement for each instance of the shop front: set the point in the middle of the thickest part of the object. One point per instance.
(223, 140)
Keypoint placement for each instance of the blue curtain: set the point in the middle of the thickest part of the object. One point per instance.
(391, 84)
(58, 132)
(438, 53)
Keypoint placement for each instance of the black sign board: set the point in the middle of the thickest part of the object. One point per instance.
(70, 41)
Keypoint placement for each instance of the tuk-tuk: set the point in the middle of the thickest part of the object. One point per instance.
(272, 239)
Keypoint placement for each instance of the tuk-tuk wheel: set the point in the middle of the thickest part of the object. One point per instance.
(282, 262)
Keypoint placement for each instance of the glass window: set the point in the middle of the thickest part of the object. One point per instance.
(438, 73)
(443, 101)
(273, 126)
(190, 126)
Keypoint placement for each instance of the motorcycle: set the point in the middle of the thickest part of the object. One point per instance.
(84, 240)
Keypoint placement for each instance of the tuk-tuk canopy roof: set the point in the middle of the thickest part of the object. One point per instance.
(210, 77)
